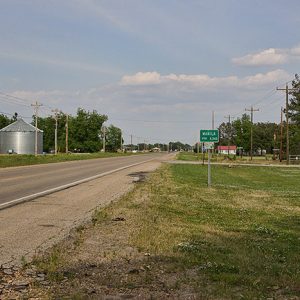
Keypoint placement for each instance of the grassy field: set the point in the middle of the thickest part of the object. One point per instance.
(23, 160)
(191, 156)
(239, 239)
(242, 236)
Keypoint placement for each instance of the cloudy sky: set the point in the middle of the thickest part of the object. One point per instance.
(157, 68)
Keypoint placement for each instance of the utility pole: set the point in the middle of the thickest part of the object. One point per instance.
(103, 137)
(36, 106)
(131, 142)
(56, 112)
(287, 90)
(212, 127)
(67, 133)
(121, 141)
(251, 110)
(229, 137)
(281, 133)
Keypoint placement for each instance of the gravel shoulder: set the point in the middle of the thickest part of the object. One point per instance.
(35, 226)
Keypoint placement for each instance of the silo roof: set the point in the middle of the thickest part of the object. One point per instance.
(19, 126)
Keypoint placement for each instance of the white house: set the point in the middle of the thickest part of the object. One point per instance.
(227, 150)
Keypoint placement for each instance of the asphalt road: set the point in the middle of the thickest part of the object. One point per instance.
(20, 182)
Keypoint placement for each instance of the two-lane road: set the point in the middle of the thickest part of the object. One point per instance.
(20, 182)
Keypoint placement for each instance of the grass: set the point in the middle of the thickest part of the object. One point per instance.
(242, 236)
(238, 239)
(23, 160)
(191, 156)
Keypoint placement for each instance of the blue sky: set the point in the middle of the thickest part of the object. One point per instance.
(156, 68)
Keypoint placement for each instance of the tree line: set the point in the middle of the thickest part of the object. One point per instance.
(266, 136)
(85, 133)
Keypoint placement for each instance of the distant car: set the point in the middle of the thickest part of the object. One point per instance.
(11, 151)
(134, 151)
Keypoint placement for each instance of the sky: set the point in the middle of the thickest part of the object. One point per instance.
(157, 68)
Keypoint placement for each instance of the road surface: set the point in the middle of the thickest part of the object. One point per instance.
(20, 182)
(36, 225)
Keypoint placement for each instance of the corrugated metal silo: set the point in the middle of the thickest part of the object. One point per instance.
(19, 137)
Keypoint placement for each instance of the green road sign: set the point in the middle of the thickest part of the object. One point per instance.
(209, 136)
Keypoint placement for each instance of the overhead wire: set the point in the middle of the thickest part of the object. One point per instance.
(9, 114)
(14, 100)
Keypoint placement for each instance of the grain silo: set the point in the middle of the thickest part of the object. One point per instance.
(19, 137)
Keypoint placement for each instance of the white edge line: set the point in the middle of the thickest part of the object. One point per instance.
(65, 186)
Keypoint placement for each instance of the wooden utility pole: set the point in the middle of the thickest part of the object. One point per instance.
(36, 106)
(251, 138)
(56, 112)
(103, 137)
(67, 133)
(281, 133)
(229, 137)
(121, 141)
(287, 91)
(213, 126)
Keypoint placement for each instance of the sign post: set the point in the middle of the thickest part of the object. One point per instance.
(209, 137)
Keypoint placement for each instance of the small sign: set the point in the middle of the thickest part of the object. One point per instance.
(209, 136)
(209, 145)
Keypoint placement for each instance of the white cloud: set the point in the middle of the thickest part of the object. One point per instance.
(268, 57)
(205, 81)
(176, 97)
(141, 78)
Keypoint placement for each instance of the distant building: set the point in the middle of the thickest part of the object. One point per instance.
(155, 149)
(227, 150)
(19, 138)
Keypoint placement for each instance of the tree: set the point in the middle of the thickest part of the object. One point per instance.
(294, 114)
(113, 138)
(4, 121)
(48, 126)
(227, 134)
(264, 135)
(179, 146)
(294, 102)
(242, 130)
(85, 131)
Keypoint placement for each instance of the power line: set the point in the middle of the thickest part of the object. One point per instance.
(159, 121)
(9, 114)
(15, 98)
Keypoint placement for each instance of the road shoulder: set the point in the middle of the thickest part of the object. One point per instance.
(39, 224)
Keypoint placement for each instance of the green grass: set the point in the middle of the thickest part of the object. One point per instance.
(239, 239)
(242, 236)
(191, 156)
(23, 160)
